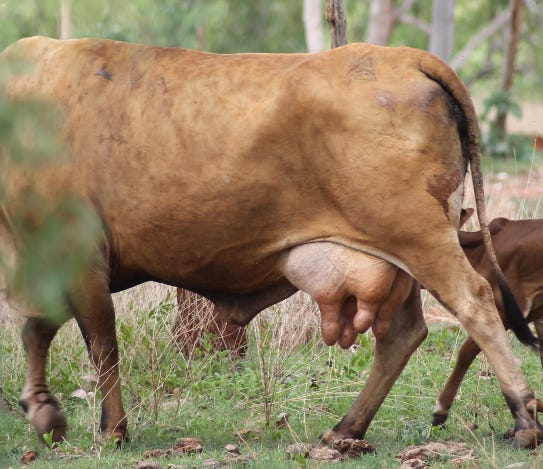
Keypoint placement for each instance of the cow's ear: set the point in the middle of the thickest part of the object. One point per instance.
(465, 215)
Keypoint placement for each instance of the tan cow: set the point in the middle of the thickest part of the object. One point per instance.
(246, 177)
(519, 249)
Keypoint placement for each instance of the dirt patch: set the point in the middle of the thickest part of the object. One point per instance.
(423, 455)
(193, 446)
(183, 446)
(339, 450)
(28, 457)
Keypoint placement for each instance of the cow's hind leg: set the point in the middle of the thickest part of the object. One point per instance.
(95, 316)
(448, 275)
(539, 330)
(36, 401)
(406, 331)
(466, 355)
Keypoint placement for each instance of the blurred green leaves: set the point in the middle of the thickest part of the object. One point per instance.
(53, 253)
(494, 141)
(502, 102)
(52, 231)
(31, 130)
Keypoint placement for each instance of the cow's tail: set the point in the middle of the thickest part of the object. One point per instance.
(440, 72)
(513, 314)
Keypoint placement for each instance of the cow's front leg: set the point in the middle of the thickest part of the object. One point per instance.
(36, 401)
(405, 332)
(95, 316)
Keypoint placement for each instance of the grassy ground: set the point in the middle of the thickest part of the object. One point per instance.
(289, 376)
(219, 401)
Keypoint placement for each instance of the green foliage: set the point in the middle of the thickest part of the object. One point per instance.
(30, 128)
(360, 360)
(496, 143)
(214, 25)
(27, 18)
(501, 102)
(54, 252)
(48, 439)
(54, 232)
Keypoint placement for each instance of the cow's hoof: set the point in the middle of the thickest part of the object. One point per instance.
(333, 435)
(49, 418)
(118, 437)
(527, 439)
(439, 419)
(534, 406)
(328, 437)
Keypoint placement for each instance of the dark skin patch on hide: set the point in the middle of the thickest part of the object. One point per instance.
(441, 187)
(427, 100)
(105, 74)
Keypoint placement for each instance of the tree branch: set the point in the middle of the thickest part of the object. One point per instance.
(335, 15)
(413, 21)
(404, 8)
(484, 33)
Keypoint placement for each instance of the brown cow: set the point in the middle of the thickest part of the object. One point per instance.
(519, 249)
(245, 177)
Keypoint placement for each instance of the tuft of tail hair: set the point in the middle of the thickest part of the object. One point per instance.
(514, 317)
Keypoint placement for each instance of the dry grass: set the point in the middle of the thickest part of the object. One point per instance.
(141, 297)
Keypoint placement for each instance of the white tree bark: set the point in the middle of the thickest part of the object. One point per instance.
(314, 35)
(442, 32)
(65, 20)
(381, 21)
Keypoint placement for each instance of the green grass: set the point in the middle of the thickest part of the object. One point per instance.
(212, 398)
(521, 163)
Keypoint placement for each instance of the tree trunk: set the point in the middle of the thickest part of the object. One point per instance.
(510, 56)
(382, 18)
(65, 20)
(314, 35)
(442, 32)
(335, 15)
